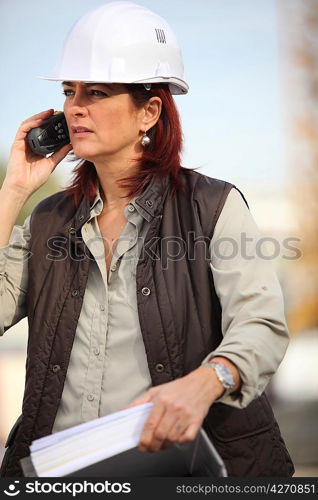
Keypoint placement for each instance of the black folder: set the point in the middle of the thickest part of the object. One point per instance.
(197, 458)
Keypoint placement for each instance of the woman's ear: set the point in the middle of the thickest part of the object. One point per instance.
(151, 113)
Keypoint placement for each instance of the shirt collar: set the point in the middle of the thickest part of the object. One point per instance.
(149, 204)
(97, 206)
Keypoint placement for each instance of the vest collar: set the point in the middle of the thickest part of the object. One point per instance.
(81, 216)
(151, 200)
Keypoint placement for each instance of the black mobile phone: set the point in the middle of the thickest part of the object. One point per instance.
(50, 136)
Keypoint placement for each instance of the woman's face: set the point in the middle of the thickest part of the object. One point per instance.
(103, 121)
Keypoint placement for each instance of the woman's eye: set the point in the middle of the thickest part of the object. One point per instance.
(68, 92)
(97, 93)
(90, 92)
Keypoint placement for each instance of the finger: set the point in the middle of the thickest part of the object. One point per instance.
(147, 438)
(32, 122)
(42, 114)
(169, 427)
(25, 129)
(189, 434)
(58, 156)
(176, 431)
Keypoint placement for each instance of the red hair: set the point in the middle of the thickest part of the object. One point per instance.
(161, 157)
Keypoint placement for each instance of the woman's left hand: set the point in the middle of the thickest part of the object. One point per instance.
(179, 408)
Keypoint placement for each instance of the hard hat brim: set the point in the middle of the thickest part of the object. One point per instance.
(177, 86)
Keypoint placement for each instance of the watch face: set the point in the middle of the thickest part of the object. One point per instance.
(225, 375)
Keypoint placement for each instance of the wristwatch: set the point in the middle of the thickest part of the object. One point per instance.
(224, 375)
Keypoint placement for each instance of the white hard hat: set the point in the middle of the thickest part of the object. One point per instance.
(122, 42)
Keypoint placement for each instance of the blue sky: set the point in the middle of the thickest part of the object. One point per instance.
(232, 115)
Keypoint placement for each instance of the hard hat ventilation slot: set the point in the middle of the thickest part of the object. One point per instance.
(161, 37)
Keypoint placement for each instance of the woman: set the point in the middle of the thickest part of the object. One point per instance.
(128, 278)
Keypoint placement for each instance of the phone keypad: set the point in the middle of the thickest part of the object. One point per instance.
(59, 129)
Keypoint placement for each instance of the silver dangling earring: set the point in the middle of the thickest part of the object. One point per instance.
(145, 141)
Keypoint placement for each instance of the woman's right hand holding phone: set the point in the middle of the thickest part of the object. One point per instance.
(26, 173)
(26, 170)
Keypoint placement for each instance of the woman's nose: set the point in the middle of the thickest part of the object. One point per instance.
(77, 110)
(78, 104)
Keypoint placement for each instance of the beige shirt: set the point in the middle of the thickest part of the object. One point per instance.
(108, 365)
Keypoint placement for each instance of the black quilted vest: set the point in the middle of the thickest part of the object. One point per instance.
(179, 314)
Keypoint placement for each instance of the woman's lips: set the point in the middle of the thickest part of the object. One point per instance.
(80, 131)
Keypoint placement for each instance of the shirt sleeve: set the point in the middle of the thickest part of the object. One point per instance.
(255, 333)
(14, 276)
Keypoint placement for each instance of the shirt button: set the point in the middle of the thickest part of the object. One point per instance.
(149, 203)
(96, 351)
(102, 308)
(72, 230)
(56, 368)
(145, 291)
(75, 293)
(131, 208)
(159, 367)
(113, 268)
(90, 397)
(81, 217)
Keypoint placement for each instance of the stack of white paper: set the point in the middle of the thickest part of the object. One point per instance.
(82, 445)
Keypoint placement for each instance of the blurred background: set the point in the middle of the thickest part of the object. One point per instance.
(251, 118)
